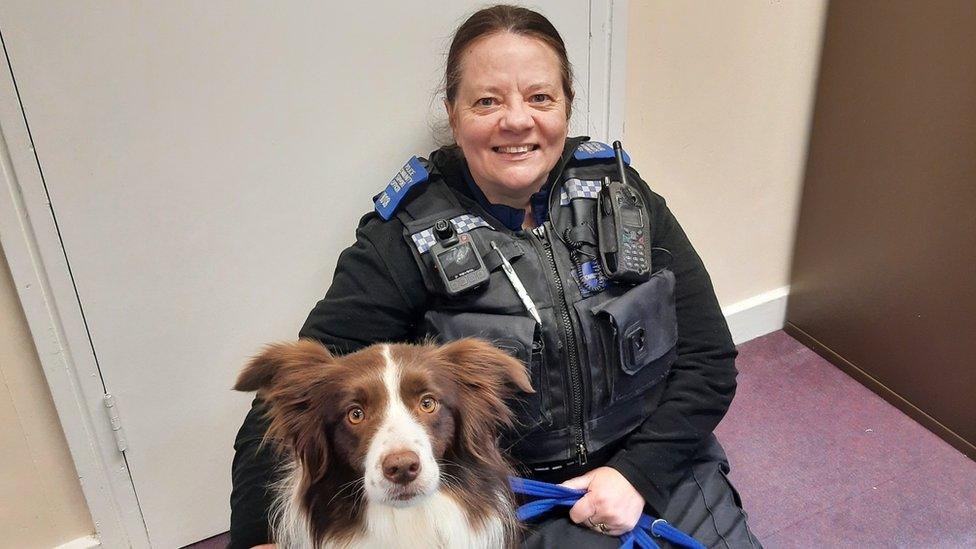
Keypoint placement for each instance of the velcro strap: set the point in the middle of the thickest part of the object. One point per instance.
(510, 250)
(584, 233)
(608, 237)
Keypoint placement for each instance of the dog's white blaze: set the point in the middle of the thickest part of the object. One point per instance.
(398, 431)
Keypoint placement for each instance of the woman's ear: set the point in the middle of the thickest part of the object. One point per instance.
(449, 108)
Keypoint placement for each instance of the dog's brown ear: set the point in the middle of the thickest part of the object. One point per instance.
(295, 381)
(487, 364)
(486, 376)
(280, 359)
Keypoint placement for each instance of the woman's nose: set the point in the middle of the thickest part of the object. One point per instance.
(517, 117)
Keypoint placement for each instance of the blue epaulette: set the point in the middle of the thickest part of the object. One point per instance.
(413, 173)
(592, 150)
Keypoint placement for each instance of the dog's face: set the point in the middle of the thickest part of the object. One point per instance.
(388, 413)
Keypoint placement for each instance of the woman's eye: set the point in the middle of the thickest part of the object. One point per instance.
(428, 404)
(356, 415)
(486, 102)
(539, 98)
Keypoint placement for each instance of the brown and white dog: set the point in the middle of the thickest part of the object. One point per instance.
(392, 446)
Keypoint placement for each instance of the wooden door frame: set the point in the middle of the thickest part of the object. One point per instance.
(31, 240)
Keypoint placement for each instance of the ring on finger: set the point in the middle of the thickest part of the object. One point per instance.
(602, 527)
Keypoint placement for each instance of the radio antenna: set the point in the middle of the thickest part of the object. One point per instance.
(618, 152)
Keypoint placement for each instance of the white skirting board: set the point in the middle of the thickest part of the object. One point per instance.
(757, 316)
(87, 542)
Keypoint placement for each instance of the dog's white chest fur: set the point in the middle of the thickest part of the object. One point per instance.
(436, 522)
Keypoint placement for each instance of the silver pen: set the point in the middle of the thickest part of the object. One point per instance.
(517, 284)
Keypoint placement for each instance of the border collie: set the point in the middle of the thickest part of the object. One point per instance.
(392, 446)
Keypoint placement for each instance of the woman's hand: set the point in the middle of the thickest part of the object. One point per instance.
(610, 500)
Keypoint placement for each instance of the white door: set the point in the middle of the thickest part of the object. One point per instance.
(206, 163)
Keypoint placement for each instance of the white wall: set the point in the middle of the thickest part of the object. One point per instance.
(719, 100)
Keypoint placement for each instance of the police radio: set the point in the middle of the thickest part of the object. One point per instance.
(624, 228)
(456, 259)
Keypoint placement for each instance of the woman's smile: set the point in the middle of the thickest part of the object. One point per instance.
(515, 153)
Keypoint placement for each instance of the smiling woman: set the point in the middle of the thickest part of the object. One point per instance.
(629, 375)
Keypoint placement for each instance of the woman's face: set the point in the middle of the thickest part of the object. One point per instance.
(509, 115)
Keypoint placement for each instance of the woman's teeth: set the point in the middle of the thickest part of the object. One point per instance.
(515, 150)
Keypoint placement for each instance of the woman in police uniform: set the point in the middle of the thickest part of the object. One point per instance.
(632, 374)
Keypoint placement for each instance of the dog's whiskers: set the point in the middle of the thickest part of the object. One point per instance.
(358, 485)
(449, 480)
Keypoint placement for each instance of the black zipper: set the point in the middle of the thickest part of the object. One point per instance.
(572, 351)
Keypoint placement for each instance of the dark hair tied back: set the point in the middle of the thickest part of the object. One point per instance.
(505, 18)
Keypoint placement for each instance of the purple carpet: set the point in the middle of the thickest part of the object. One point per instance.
(821, 461)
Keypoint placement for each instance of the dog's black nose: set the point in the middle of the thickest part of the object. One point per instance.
(401, 467)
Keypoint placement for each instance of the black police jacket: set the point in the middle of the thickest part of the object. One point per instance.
(643, 413)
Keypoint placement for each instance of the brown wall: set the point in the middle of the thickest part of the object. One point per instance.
(884, 271)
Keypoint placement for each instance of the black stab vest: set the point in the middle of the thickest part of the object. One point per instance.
(594, 382)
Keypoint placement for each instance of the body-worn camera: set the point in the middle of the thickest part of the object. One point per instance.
(457, 259)
(624, 229)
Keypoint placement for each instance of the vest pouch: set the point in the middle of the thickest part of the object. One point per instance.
(638, 332)
(517, 336)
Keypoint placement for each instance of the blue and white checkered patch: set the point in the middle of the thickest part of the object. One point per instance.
(462, 224)
(579, 188)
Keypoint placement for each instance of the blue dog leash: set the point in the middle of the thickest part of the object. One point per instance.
(554, 495)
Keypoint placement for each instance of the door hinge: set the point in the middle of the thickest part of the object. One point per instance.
(113, 416)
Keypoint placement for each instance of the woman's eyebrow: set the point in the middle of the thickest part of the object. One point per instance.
(493, 90)
(539, 86)
(531, 87)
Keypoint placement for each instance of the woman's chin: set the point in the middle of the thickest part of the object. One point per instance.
(522, 188)
(523, 180)
(503, 185)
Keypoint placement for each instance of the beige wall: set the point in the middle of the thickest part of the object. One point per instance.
(719, 96)
(41, 503)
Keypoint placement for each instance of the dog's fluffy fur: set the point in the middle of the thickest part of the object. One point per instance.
(391, 446)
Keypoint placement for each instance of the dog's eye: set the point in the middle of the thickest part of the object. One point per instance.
(428, 404)
(356, 415)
